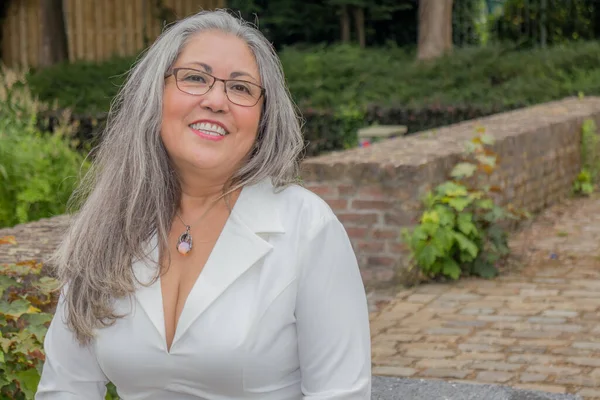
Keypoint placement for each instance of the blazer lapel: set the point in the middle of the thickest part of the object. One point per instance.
(149, 297)
(238, 248)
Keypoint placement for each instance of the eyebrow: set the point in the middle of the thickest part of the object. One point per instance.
(233, 75)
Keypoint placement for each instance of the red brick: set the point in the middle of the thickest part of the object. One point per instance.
(346, 190)
(381, 261)
(386, 233)
(372, 193)
(360, 219)
(325, 191)
(396, 247)
(371, 205)
(337, 204)
(356, 233)
(370, 246)
(400, 219)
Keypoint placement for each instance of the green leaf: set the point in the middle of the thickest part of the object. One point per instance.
(5, 343)
(46, 285)
(451, 189)
(29, 380)
(431, 217)
(465, 244)
(486, 160)
(427, 256)
(463, 169)
(459, 203)
(487, 139)
(15, 309)
(429, 228)
(465, 224)
(486, 204)
(470, 147)
(446, 215)
(7, 282)
(451, 268)
(484, 268)
(494, 215)
(587, 188)
(37, 324)
(3, 172)
(443, 240)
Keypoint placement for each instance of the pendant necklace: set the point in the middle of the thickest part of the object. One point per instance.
(185, 241)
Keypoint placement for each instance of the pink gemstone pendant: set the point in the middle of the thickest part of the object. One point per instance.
(184, 243)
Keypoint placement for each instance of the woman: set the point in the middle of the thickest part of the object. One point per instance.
(196, 269)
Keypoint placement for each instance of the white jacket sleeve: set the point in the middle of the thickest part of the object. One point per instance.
(70, 371)
(332, 318)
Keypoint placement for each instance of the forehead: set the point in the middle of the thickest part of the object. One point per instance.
(223, 52)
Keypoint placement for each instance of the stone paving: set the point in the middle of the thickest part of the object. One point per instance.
(537, 326)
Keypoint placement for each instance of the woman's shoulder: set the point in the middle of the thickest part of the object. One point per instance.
(302, 206)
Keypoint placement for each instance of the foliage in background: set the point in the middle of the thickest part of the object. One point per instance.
(26, 303)
(384, 84)
(85, 86)
(288, 22)
(474, 22)
(327, 76)
(533, 23)
(590, 159)
(461, 230)
(38, 170)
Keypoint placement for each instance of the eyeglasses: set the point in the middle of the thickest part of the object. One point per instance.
(198, 83)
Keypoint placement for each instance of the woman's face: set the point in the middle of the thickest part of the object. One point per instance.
(208, 134)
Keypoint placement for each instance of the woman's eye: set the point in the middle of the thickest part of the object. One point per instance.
(241, 88)
(194, 78)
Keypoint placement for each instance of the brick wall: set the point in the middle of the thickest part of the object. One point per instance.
(375, 191)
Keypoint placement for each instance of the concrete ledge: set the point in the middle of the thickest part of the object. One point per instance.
(387, 388)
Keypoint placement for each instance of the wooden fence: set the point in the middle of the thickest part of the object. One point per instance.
(96, 29)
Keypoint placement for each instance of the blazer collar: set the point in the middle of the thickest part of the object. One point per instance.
(255, 213)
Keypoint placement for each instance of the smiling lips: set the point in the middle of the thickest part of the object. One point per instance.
(208, 130)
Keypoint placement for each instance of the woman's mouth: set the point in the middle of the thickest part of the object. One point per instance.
(208, 130)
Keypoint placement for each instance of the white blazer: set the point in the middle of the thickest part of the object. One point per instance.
(279, 312)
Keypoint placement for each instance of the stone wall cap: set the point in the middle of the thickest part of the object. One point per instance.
(382, 131)
(419, 148)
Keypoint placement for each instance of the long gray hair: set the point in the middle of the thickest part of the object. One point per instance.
(132, 192)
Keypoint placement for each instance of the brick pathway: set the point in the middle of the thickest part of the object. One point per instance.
(537, 326)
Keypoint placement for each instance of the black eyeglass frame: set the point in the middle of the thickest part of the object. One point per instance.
(174, 72)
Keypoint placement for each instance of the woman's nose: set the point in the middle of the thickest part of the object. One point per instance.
(216, 98)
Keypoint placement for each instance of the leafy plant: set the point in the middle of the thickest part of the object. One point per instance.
(37, 170)
(590, 159)
(25, 299)
(461, 229)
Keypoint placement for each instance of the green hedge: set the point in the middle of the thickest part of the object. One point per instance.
(38, 170)
(342, 87)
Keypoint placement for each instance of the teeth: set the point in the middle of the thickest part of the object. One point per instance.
(211, 129)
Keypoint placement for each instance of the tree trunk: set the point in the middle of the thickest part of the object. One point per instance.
(53, 41)
(359, 21)
(435, 28)
(345, 24)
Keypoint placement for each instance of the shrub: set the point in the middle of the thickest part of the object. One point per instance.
(84, 86)
(385, 84)
(461, 230)
(590, 159)
(26, 301)
(37, 170)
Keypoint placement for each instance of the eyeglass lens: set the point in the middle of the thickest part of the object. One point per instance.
(197, 83)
